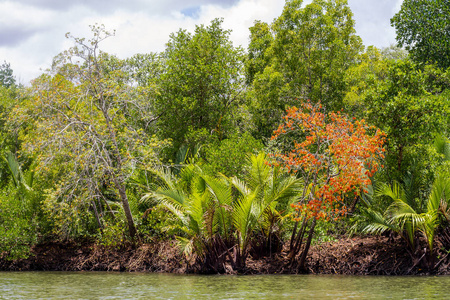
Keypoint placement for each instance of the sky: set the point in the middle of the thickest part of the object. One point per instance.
(32, 32)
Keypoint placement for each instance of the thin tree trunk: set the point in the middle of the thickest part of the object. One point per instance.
(294, 232)
(96, 215)
(118, 181)
(353, 206)
(126, 207)
(299, 240)
(308, 244)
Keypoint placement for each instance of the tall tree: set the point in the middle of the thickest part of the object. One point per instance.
(371, 69)
(82, 126)
(407, 101)
(200, 85)
(9, 97)
(311, 49)
(145, 68)
(258, 58)
(423, 28)
(6, 75)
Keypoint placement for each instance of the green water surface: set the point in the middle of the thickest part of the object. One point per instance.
(101, 285)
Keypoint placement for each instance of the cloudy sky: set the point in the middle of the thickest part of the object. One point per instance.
(32, 32)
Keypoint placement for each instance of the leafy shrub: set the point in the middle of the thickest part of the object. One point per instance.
(158, 222)
(229, 156)
(113, 234)
(17, 225)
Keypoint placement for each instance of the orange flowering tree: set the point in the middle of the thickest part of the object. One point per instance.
(335, 157)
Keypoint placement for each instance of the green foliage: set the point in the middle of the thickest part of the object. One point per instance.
(145, 68)
(158, 222)
(422, 26)
(22, 183)
(258, 59)
(323, 34)
(310, 49)
(406, 214)
(360, 78)
(409, 103)
(6, 75)
(218, 212)
(200, 85)
(81, 144)
(325, 232)
(442, 147)
(273, 191)
(8, 138)
(69, 219)
(112, 235)
(19, 212)
(394, 52)
(22, 218)
(229, 156)
(17, 224)
(85, 127)
(267, 103)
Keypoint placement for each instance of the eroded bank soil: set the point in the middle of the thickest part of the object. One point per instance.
(355, 256)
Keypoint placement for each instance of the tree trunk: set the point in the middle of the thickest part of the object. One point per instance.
(97, 217)
(126, 207)
(295, 247)
(308, 244)
(119, 180)
(353, 206)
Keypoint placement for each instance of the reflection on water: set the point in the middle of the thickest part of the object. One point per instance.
(100, 285)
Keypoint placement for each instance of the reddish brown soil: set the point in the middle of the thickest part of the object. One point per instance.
(362, 256)
(357, 256)
(85, 256)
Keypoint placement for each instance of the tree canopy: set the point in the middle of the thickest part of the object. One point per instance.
(200, 86)
(6, 75)
(84, 115)
(423, 28)
(304, 57)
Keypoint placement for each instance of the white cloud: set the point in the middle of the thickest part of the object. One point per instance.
(34, 30)
(373, 20)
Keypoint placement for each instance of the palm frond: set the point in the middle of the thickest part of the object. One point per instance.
(286, 190)
(14, 168)
(244, 218)
(164, 177)
(377, 223)
(186, 245)
(220, 188)
(222, 197)
(196, 206)
(442, 146)
(367, 197)
(444, 209)
(240, 185)
(270, 219)
(394, 192)
(439, 192)
(429, 226)
(259, 171)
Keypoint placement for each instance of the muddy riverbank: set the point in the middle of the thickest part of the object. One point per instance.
(349, 256)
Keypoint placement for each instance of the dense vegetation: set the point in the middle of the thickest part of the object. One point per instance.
(302, 137)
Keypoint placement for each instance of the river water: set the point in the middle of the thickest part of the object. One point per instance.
(101, 285)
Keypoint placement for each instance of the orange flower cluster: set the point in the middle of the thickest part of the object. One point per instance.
(336, 158)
